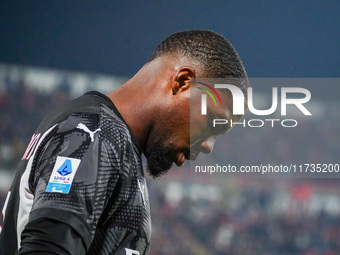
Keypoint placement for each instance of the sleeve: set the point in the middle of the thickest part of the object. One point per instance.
(37, 238)
(75, 174)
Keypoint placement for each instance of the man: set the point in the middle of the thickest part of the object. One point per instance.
(80, 188)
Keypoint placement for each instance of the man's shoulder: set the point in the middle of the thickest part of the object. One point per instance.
(114, 129)
(85, 109)
(94, 114)
(89, 103)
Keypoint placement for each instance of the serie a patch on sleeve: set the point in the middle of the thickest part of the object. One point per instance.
(62, 175)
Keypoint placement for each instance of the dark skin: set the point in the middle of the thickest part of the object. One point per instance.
(155, 103)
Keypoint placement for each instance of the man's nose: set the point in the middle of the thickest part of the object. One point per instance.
(207, 145)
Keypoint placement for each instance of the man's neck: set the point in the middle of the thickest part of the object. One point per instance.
(131, 103)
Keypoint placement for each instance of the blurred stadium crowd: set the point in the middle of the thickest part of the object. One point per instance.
(232, 216)
(251, 219)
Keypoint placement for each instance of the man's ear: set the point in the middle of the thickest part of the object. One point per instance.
(181, 81)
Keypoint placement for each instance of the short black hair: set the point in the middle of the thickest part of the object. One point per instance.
(212, 51)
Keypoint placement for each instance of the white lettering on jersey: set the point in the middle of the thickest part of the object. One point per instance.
(25, 194)
(4, 209)
(131, 252)
(31, 147)
(87, 130)
(141, 188)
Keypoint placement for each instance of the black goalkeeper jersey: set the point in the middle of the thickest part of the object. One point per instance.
(80, 188)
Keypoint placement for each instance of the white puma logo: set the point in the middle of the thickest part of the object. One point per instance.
(87, 130)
